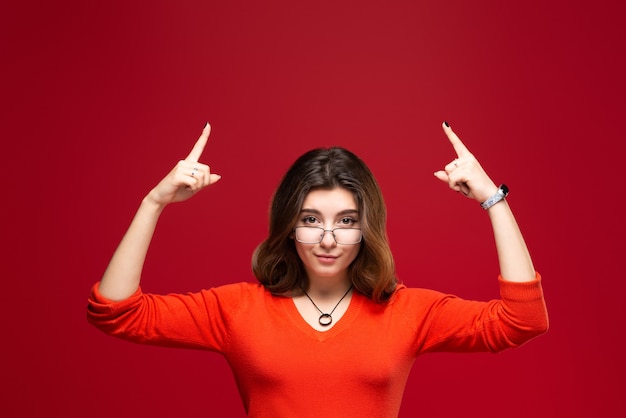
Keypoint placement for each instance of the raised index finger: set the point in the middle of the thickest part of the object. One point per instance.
(197, 149)
(456, 142)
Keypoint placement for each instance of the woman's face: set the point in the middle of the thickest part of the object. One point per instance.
(327, 262)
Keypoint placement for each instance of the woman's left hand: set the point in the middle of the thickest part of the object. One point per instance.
(464, 174)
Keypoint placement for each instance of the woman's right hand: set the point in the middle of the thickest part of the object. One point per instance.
(187, 178)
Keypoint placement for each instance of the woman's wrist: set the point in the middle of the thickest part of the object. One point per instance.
(495, 197)
(151, 203)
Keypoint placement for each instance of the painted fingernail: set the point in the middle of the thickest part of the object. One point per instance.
(445, 122)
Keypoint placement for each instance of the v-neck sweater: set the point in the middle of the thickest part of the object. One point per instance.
(359, 367)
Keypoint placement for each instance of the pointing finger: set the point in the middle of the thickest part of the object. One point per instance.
(460, 148)
(197, 149)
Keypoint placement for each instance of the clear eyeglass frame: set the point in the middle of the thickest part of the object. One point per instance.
(322, 234)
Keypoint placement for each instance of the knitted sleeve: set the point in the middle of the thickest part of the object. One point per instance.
(448, 323)
(193, 320)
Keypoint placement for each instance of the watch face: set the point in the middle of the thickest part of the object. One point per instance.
(504, 189)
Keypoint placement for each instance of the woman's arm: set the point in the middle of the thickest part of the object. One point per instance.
(515, 262)
(122, 276)
(465, 175)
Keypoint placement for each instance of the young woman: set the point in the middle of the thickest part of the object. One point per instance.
(328, 331)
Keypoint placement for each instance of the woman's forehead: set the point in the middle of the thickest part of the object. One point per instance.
(327, 201)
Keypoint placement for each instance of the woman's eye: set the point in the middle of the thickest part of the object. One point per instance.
(348, 221)
(309, 220)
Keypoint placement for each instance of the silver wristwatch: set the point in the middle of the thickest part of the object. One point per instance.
(502, 192)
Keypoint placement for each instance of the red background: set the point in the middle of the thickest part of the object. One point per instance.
(100, 99)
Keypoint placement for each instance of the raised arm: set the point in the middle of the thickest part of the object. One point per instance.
(465, 175)
(122, 276)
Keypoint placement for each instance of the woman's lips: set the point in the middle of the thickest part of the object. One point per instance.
(326, 258)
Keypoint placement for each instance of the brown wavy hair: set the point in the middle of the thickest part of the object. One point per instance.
(276, 263)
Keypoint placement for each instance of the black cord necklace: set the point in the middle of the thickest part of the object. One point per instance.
(326, 319)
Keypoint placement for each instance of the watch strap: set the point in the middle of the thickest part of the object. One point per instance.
(502, 192)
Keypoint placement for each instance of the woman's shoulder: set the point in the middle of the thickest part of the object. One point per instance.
(404, 292)
(412, 298)
(236, 290)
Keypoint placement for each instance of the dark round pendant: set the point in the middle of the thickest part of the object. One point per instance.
(325, 320)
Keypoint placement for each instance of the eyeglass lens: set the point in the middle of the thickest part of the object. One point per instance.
(314, 235)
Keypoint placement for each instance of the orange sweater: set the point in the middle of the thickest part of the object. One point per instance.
(358, 368)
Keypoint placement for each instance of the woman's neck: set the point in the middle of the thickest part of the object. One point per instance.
(327, 289)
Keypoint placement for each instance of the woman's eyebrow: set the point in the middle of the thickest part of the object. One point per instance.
(349, 212)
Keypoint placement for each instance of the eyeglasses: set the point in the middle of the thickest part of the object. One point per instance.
(315, 235)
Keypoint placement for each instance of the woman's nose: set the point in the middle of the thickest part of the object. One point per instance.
(328, 240)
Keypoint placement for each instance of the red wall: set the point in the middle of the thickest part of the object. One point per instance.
(100, 99)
